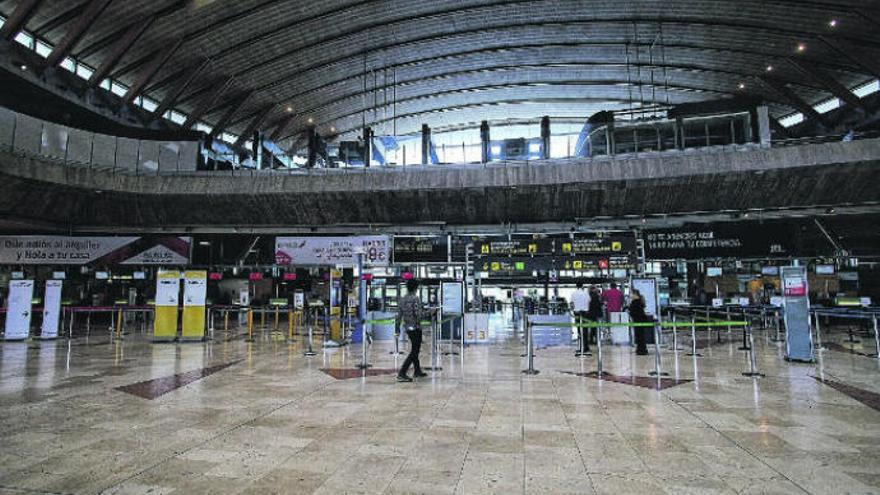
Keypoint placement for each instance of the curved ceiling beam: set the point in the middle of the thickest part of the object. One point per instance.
(442, 95)
(475, 10)
(488, 70)
(112, 38)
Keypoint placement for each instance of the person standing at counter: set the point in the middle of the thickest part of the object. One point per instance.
(580, 306)
(613, 299)
(637, 315)
(410, 314)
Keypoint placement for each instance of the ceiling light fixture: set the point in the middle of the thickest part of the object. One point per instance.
(332, 129)
(289, 109)
(23, 67)
(741, 85)
(769, 68)
(311, 120)
(801, 47)
(832, 23)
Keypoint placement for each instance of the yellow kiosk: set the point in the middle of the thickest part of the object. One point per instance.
(167, 300)
(195, 292)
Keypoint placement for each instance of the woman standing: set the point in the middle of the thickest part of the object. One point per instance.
(637, 315)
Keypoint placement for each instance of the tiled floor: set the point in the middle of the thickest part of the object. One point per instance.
(274, 422)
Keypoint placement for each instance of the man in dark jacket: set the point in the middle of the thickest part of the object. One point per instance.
(410, 314)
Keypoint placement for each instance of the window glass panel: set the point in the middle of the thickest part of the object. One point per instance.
(149, 104)
(791, 120)
(105, 84)
(867, 89)
(118, 89)
(43, 49)
(84, 71)
(828, 105)
(68, 64)
(25, 39)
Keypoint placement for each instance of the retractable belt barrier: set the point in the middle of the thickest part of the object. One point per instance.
(657, 326)
(116, 315)
(854, 314)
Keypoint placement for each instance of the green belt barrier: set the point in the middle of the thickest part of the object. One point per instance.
(665, 324)
(393, 320)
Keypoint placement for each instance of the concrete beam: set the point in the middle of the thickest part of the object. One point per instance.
(175, 92)
(123, 43)
(825, 80)
(230, 113)
(83, 22)
(205, 104)
(255, 124)
(283, 124)
(854, 53)
(151, 69)
(790, 98)
(24, 10)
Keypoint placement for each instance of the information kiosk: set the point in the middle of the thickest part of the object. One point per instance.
(796, 310)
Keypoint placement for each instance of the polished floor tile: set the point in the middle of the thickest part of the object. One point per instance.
(101, 415)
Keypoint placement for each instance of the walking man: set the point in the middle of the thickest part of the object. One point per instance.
(409, 315)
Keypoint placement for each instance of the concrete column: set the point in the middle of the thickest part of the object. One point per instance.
(426, 144)
(313, 147)
(545, 137)
(484, 141)
(368, 146)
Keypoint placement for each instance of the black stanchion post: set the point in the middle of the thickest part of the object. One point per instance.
(753, 367)
(674, 333)
(599, 351)
(530, 351)
(310, 351)
(658, 371)
(819, 345)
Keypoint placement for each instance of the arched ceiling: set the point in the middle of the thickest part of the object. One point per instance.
(395, 64)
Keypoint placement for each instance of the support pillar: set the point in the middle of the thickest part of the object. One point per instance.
(313, 147)
(426, 144)
(368, 146)
(545, 138)
(484, 141)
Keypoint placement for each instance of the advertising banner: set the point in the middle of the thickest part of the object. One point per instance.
(18, 310)
(51, 309)
(167, 300)
(195, 290)
(94, 251)
(421, 249)
(726, 240)
(333, 251)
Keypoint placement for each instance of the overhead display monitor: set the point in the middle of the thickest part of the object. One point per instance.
(770, 271)
(824, 269)
(140, 275)
(102, 275)
(597, 243)
(723, 240)
(514, 246)
(421, 249)
(714, 271)
(59, 275)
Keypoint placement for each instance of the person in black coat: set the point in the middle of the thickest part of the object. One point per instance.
(637, 315)
(594, 312)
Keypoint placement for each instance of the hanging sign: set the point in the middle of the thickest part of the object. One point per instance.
(734, 240)
(18, 310)
(51, 309)
(421, 249)
(333, 251)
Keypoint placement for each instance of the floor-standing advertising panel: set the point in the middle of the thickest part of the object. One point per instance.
(796, 310)
(18, 310)
(195, 292)
(51, 309)
(452, 304)
(167, 300)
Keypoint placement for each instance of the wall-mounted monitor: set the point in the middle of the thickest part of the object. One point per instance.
(824, 269)
(59, 275)
(771, 271)
(17, 275)
(139, 275)
(714, 271)
(102, 275)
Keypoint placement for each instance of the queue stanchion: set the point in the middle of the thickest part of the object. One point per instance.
(396, 351)
(694, 352)
(776, 319)
(753, 366)
(364, 364)
(876, 336)
(530, 351)
(675, 347)
(289, 324)
(277, 309)
(728, 326)
(70, 329)
(746, 346)
(309, 349)
(658, 366)
(819, 346)
(435, 344)
(451, 351)
(599, 369)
